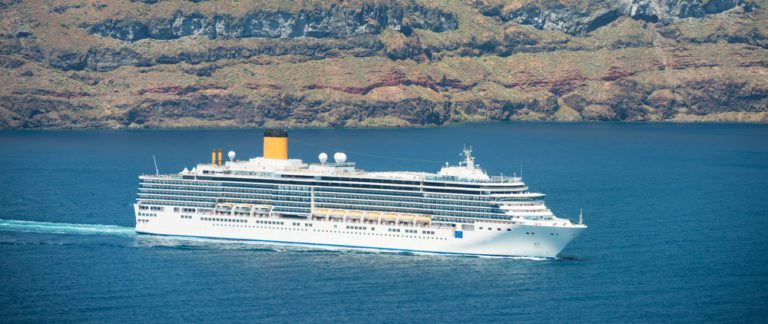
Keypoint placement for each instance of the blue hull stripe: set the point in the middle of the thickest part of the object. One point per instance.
(339, 246)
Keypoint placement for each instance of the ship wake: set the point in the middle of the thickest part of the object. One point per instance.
(23, 226)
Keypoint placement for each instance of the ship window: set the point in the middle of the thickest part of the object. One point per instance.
(509, 230)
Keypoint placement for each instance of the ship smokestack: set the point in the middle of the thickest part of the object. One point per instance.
(220, 159)
(213, 157)
(276, 144)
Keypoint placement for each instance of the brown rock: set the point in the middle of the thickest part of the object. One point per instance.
(662, 98)
(598, 112)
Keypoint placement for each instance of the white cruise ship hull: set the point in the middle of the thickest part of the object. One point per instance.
(486, 239)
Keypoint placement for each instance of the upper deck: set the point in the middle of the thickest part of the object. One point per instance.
(465, 179)
(464, 174)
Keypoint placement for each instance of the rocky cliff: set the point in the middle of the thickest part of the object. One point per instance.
(182, 63)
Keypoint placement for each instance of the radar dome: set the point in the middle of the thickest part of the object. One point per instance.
(322, 157)
(340, 157)
(231, 155)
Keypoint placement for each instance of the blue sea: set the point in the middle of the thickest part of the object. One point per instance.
(677, 215)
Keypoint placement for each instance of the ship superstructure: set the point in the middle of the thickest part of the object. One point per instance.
(274, 199)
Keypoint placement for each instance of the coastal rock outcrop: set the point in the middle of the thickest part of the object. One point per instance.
(583, 17)
(334, 21)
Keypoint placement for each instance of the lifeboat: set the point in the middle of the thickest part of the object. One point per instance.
(372, 215)
(336, 213)
(390, 216)
(407, 217)
(320, 211)
(423, 219)
(354, 214)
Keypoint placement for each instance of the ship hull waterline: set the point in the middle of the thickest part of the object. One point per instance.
(487, 239)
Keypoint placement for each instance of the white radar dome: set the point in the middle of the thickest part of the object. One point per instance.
(322, 157)
(340, 157)
(231, 155)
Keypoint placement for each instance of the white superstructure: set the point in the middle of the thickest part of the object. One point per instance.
(458, 210)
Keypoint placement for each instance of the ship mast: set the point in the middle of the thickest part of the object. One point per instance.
(469, 161)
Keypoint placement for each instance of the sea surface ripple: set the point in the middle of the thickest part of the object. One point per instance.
(677, 214)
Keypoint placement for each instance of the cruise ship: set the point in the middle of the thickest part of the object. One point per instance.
(276, 200)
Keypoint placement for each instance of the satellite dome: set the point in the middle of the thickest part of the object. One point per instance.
(322, 157)
(340, 157)
(231, 155)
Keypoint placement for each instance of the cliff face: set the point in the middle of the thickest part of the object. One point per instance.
(181, 63)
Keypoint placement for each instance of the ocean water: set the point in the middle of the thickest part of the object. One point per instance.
(678, 218)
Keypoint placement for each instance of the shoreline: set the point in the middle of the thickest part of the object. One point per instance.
(450, 125)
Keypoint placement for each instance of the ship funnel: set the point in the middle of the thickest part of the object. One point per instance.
(276, 144)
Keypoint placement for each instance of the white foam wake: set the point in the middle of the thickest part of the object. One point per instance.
(10, 225)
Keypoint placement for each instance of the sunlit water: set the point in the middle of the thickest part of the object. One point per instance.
(678, 216)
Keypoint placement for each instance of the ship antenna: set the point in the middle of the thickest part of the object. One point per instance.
(521, 169)
(581, 216)
(157, 171)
